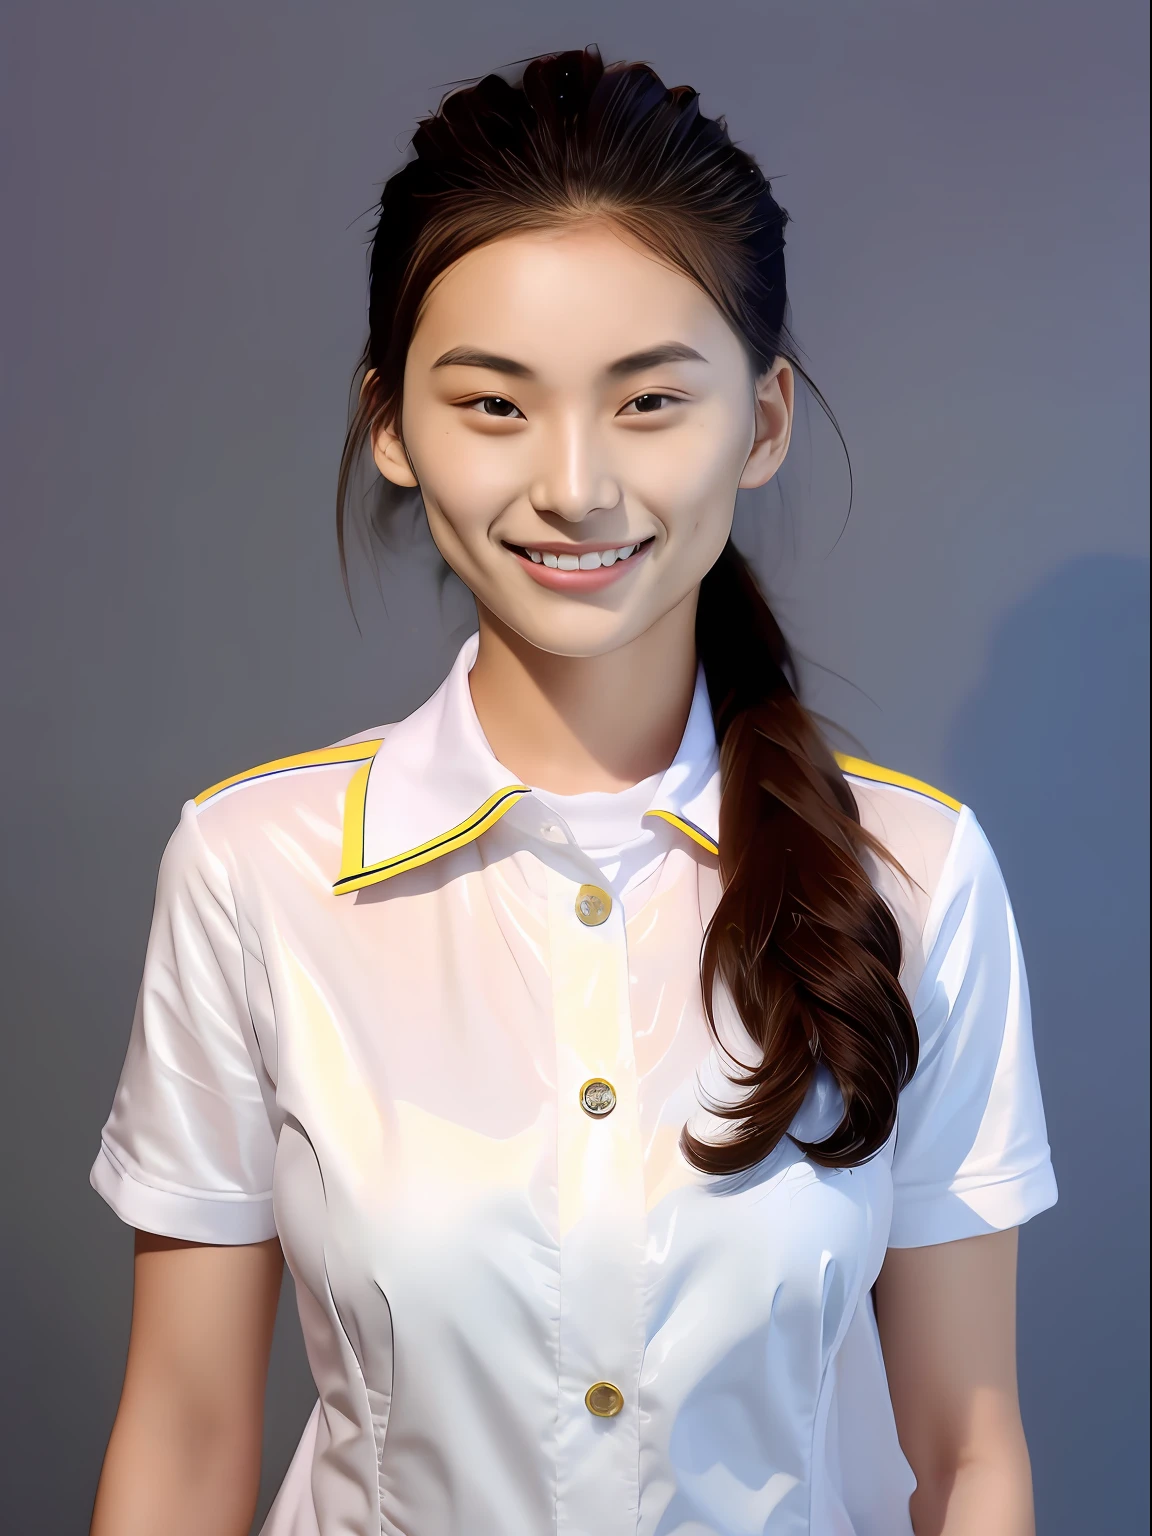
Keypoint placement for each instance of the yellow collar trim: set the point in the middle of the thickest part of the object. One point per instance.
(325, 757)
(687, 828)
(863, 770)
(355, 874)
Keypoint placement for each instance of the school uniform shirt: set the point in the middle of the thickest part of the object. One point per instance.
(393, 1013)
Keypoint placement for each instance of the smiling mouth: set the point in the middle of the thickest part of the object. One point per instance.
(587, 560)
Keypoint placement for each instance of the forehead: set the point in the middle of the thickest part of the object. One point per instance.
(577, 296)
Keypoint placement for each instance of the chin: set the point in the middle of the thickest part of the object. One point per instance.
(578, 636)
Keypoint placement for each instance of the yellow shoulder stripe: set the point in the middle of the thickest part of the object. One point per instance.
(353, 752)
(862, 770)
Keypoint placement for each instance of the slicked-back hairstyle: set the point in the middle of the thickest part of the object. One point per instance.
(805, 946)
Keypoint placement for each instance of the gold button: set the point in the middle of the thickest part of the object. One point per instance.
(597, 1098)
(592, 905)
(604, 1400)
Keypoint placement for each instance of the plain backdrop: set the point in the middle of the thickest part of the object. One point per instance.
(184, 212)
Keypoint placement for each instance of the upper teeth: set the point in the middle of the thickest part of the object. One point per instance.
(592, 561)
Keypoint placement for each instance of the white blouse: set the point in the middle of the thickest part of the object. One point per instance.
(611, 830)
(395, 1014)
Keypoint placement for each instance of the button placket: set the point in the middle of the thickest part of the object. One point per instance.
(603, 1225)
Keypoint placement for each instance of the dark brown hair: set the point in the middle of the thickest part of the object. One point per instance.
(806, 947)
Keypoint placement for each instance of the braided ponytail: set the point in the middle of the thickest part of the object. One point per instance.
(803, 943)
(807, 949)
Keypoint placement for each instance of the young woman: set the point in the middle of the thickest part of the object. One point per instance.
(643, 1099)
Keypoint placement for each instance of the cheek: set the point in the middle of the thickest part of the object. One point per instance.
(466, 477)
(689, 477)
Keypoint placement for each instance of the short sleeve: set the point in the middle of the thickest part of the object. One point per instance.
(188, 1148)
(971, 1153)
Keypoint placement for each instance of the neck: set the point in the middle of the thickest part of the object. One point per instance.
(573, 724)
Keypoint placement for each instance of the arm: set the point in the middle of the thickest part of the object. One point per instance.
(184, 1454)
(947, 1320)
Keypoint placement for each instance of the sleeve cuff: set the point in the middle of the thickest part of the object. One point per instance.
(198, 1218)
(926, 1216)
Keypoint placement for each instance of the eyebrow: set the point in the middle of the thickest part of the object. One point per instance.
(652, 357)
(470, 357)
(635, 362)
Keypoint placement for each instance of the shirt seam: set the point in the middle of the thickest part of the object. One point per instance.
(377, 1444)
(913, 1192)
(182, 1191)
(252, 1041)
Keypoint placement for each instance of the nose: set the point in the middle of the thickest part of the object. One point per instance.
(573, 478)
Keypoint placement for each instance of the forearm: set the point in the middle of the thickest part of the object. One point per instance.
(184, 1480)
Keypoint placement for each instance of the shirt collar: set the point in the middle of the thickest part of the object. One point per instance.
(434, 785)
(688, 795)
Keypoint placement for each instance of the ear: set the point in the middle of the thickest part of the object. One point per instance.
(775, 399)
(387, 447)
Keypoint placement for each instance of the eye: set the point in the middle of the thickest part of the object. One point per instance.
(650, 404)
(495, 405)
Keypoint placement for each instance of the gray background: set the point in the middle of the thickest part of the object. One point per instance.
(184, 284)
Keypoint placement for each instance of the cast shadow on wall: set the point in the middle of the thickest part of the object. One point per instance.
(1051, 752)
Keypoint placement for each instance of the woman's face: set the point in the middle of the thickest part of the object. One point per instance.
(579, 416)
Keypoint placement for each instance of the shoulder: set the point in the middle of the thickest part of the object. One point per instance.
(284, 815)
(915, 821)
(891, 778)
(346, 755)
(948, 879)
(918, 826)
